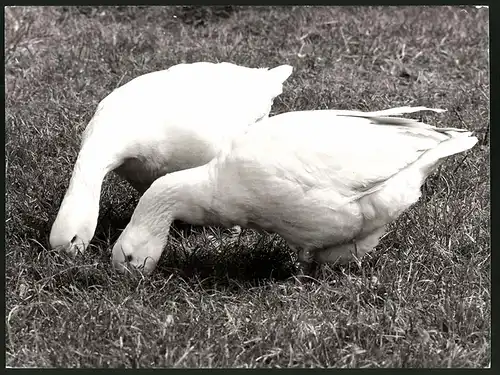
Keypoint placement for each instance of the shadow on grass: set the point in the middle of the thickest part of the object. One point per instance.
(229, 267)
(252, 260)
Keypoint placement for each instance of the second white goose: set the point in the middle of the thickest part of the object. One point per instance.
(327, 181)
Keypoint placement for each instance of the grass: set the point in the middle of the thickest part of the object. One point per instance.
(421, 299)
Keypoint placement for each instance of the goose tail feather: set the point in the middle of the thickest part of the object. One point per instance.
(458, 142)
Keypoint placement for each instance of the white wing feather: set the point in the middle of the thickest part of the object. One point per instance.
(336, 151)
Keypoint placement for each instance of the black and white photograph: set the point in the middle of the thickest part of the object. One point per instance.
(232, 186)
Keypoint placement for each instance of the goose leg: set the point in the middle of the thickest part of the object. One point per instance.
(307, 265)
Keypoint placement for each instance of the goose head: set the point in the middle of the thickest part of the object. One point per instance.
(74, 226)
(184, 195)
(137, 249)
(141, 243)
(76, 220)
(71, 238)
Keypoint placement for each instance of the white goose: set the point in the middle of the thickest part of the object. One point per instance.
(327, 181)
(159, 123)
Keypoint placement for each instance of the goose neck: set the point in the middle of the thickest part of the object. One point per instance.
(184, 195)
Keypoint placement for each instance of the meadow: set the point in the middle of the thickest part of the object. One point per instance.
(421, 299)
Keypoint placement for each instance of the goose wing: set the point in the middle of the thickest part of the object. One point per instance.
(179, 117)
(351, 153)
(212, 99)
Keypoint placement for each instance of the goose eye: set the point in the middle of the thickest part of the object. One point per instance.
(74, 238)
(128, 258)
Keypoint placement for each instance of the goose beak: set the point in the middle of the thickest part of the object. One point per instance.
(69, 249)
(73, 248)
(120, 267)
(120, 262)
(124, 265)
(126, 268)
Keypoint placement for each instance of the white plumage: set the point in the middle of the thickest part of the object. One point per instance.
(327, 181)
(159, 123)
